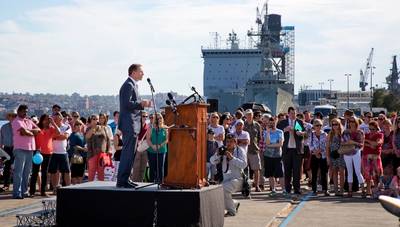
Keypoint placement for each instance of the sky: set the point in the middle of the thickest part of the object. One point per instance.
(86, 46)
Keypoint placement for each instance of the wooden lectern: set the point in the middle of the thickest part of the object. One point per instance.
(187, 146)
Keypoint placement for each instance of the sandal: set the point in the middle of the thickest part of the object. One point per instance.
(363, 195)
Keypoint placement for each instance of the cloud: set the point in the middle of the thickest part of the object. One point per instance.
(87, 46)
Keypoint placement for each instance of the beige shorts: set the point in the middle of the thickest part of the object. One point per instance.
(254, 161)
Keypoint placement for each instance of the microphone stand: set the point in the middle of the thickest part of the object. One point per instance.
(157, 179)
(189, 97)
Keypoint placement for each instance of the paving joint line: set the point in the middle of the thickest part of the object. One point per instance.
(20, 209)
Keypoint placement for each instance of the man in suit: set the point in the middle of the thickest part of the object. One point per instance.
(293, 150)
(129, 123)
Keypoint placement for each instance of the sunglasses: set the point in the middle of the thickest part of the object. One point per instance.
(318, 125)
(372, 129)
(75, 116)
(214, 117)
(145, 116)
(381, 119)
(335, 124)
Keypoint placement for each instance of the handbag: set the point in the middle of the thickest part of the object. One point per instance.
(105, 159)
(347, 148)
(142, 144)
(76, 159)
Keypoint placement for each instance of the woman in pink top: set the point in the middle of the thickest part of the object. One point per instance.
(371, 158)
(353, 136)
(395, 184)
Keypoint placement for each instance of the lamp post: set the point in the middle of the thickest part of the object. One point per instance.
(321, 83)
(348, 75)
(330, 87)
(372, 87)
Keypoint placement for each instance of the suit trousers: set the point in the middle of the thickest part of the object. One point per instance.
(292, 165)
(127, 157)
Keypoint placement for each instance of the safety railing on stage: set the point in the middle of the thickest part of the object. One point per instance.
(44, 217)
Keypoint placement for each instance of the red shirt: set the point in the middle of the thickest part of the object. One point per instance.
(143, 131)
(44, 140)
(373, 137)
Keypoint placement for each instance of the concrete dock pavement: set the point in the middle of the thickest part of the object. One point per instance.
(339, 211)
(9, 208)
(262, 210)
(259, 211)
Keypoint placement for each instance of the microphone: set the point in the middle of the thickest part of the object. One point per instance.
(173, 107)
(194, 90)
(151, 85)
(171, 98)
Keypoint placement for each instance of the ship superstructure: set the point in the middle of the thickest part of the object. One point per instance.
(262, 72)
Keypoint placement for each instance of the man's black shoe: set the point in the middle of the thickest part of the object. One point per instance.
(120, 186)
(131, 184)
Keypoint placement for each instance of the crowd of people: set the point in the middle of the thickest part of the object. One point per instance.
(339, 153)
(72, 149)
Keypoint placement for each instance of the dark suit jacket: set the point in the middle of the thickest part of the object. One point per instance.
(129, 106)
(298, 139)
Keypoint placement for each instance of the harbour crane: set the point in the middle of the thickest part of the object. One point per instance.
(367, 72)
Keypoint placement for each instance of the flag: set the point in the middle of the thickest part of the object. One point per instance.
(297, 127)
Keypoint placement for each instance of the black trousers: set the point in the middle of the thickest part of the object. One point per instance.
(35, 171)
(292, 165)
(319, 163)
(7, 165)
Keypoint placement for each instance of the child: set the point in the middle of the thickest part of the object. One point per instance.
(384, 184)
(212, 147)
(395, 184)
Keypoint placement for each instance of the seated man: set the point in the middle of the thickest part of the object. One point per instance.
(233, 160)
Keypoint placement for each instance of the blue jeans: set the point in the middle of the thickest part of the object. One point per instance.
(153, 166)
(22, 169)
(127, 158)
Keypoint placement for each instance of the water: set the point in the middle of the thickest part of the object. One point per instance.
(2, 123)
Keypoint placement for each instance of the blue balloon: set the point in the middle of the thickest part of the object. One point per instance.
(37, 158)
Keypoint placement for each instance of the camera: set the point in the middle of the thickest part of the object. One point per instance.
(222, 150)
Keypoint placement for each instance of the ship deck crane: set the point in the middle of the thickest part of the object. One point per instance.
(364, 74)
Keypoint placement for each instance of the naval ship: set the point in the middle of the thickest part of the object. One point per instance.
(262, 72)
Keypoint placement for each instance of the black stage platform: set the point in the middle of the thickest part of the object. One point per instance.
(102, 204)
